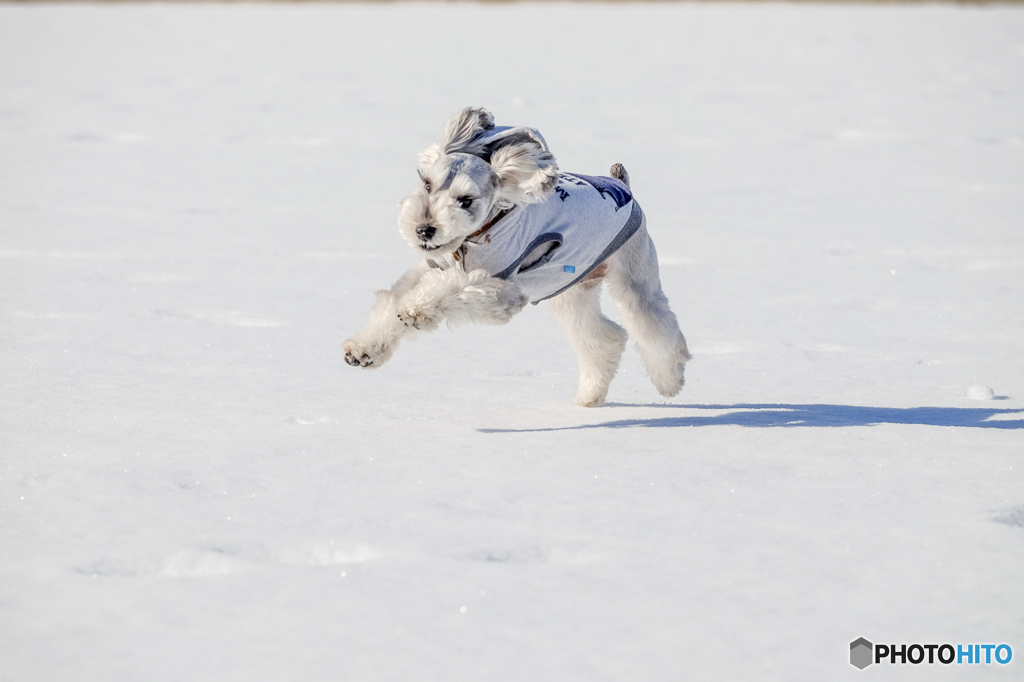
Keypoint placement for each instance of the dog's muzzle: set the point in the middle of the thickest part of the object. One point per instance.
(426, 232)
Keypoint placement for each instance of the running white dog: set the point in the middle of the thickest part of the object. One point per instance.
(501, 227)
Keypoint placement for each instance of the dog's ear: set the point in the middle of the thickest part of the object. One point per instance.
(458, 136)
(527, 172)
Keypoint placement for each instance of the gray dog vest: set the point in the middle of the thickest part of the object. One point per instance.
(547, 247)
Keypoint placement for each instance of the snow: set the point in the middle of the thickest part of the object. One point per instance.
(197, 202)
(980, 392)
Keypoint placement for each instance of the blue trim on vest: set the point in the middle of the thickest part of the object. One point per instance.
(616, 188)
(636, 218)
(542, 239)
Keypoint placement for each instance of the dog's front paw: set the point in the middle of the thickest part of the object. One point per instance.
(418, 318)
(360, 360)
(362, 355)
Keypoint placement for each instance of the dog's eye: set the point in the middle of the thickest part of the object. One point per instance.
(466, 202)
(426, 185)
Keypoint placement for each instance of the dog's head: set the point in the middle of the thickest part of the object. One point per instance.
(471, 173)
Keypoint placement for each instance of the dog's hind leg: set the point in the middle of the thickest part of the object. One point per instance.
(635, 286)
(598, 341)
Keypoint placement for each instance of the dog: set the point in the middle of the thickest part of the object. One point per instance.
(499, 226)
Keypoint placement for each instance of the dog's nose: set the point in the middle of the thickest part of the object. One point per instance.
(425, 232)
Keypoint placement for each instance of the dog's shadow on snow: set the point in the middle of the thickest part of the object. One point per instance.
(779, 415)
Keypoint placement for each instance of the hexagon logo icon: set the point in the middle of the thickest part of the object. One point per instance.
(860, 653)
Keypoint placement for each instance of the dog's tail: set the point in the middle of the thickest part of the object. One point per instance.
(618, 172)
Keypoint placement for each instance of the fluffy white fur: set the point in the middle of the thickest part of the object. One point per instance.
(458, 193)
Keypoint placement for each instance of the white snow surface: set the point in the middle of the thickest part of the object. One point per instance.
(198, 201)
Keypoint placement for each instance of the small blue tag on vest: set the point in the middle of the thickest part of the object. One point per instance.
(569, 268)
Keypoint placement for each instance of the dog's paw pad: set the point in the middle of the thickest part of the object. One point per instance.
(358, 359)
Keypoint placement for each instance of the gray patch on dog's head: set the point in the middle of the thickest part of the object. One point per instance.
(455, 166)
